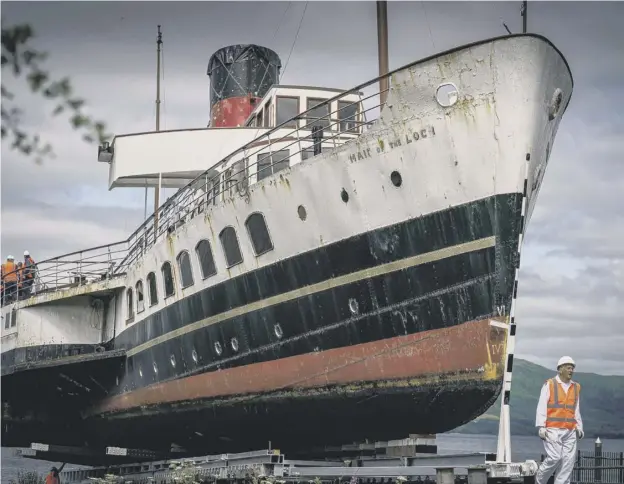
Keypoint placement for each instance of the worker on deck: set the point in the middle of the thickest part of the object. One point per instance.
(53, 476)
(28, 274)
(559, 421)
(9, 278)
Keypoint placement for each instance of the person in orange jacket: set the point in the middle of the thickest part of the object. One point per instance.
(53, 476)
(9, 277)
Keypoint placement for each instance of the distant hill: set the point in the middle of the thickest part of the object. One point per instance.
(602, 403)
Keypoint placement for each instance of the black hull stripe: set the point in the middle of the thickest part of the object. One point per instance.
(454, 226)
(329, 284)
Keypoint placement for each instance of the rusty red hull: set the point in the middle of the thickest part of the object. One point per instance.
(351, 384)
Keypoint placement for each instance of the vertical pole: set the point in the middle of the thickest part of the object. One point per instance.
(382, 48)
(598, 460)
(524, 16)
(157, 188)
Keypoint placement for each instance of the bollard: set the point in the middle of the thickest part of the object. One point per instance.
(598, 460)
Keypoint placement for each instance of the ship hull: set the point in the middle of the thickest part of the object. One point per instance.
(393, 322)
(428, 382)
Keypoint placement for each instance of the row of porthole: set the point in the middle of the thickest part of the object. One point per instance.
(277, 329)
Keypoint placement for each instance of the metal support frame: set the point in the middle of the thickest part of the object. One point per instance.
(269, 463)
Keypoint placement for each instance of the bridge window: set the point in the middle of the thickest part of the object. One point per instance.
(319, 115)
(269, 163)
(287, 108)
(139, 294)
(347, 114)
(268, 114)
(129, 306)
(260, 119)
(168, 279)
(259, 233)
(232, 251)
(186, 271)
(151, 287)
(206, 259)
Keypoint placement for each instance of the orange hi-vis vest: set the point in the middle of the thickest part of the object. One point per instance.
(561, 407)
(50, 479)
(9, 272)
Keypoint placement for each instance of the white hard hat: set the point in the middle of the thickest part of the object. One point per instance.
(10, 257)
(26, 252)
(565, 360)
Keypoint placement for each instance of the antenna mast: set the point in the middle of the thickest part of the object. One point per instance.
(157, 187)
(523, 12)
(382, 48)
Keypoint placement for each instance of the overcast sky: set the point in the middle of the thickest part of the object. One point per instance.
(572, 274)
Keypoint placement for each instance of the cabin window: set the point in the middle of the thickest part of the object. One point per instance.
(186, 271)
(232, 251)
(7, 320)
(151, 287)
(307, 153)
(168, 279)
(260, 119)
(129, 306)
(268, 111)
(259, 233)
(319, 116)
(347, 114)
(287, 108)
(139, 295)
(269, 163)
(13, 317)
(206, 259)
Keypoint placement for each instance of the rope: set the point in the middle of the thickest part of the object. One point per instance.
(428, 24)
(295, 41)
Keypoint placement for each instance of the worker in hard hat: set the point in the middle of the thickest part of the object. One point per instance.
(559, 422)
(28, 274)
(9, 278)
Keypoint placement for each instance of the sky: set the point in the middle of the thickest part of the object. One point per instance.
(572, 273)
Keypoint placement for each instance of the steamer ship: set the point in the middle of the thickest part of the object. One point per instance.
(346, 269)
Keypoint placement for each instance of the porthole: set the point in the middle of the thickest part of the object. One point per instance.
(155, 368)
(396, 178)
(447, 94)
(344, 195)
(217, 347)
(278, 330)
(194, 355)
(173, 361)
(354, 307)
(301, 211)
(234, 344)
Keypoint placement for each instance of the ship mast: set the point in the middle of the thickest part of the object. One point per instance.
(382, 49)
(524, 16)
(157, 187)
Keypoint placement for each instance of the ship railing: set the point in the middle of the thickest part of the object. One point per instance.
(64, 272)
(305, 136)
(314, 133)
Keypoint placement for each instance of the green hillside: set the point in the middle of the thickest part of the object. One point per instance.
(602, 403)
